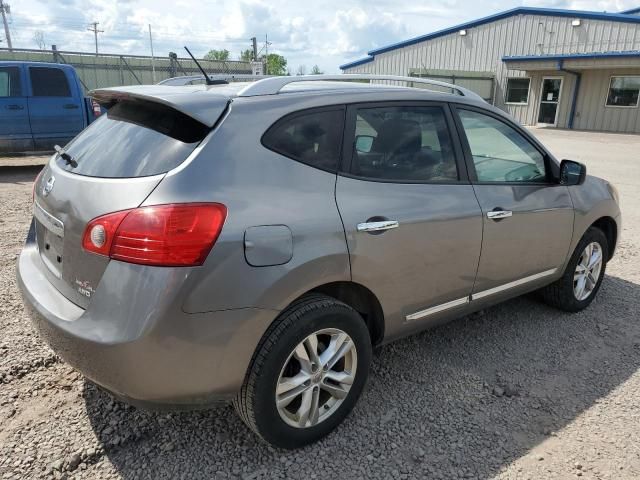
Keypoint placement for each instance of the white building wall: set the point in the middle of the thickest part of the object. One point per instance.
(484, 46)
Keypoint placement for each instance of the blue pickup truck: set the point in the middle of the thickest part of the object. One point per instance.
(41, 105)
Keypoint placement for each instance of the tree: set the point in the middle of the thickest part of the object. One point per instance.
(38, 38)
(302, 70)
(276, 64)
(315, 70)
(220, 55)
(246, 55)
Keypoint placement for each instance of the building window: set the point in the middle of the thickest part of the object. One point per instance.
(518, 90)
(623, 92)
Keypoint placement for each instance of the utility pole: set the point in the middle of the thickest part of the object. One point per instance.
(153, 64)
(266, 55)
(254, 44)
(94, 29)
(4, 8)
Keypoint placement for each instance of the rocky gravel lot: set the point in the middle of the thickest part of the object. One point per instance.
(520, 391)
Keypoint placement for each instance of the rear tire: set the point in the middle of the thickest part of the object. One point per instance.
(577, 288)
(301, 348)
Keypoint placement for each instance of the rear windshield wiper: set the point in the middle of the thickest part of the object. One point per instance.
(65, 156)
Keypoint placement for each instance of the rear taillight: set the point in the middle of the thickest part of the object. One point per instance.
(97, 111)
(161, 235)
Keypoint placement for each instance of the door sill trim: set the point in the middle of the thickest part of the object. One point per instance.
(437, 309)
(476, 296)
(515, 283)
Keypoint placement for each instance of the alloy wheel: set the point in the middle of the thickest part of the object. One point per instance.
(316, 378)
(585, 277)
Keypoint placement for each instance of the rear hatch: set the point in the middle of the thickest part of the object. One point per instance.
(112, 165)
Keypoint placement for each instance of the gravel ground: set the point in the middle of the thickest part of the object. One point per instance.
(518, 391)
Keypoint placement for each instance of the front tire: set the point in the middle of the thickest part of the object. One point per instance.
(307, 372)
(577, 288)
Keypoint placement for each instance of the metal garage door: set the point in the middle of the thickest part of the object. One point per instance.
(480, 82)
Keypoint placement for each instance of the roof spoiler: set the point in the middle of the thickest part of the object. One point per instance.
(201, 105)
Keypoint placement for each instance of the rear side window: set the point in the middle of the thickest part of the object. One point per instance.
(9, 82)
(49, 82)
(403, 144)
(134, 139)
(312, 137)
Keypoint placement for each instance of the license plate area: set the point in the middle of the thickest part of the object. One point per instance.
(50, 238)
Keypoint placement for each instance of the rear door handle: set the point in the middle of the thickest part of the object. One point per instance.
(499, 214)
(70, 106)
(15, 107)
(378, 226)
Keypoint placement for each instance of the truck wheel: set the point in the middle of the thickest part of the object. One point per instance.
(307, 372)
(577, 288)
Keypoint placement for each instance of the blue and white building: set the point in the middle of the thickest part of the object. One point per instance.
(564, 68)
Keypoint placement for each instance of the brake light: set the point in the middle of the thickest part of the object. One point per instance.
(97, 111)
(161, 235)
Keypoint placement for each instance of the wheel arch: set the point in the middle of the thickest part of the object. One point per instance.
(362, 300)
(609, 227)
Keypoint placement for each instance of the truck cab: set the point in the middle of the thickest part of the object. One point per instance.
(41, 105)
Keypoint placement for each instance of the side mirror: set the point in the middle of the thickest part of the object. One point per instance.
(364, 143)
(572, 173)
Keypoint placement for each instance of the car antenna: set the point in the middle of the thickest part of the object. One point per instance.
(207, 79)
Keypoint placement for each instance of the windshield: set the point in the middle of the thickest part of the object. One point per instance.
(133, 139)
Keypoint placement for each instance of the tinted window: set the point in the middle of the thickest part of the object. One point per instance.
(517, 90)
(623, 92)
(312, 137)
(403, 144)
(501, 153)
(9, 82)
(49, 82)
(134, 139)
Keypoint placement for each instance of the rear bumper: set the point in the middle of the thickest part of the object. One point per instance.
(134, 339)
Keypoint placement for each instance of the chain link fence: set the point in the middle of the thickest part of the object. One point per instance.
(112, 70)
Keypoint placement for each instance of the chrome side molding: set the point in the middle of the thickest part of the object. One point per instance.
(437, 309)
(476, 296)
(515, 283)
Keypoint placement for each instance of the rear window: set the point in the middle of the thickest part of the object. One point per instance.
(134, 139)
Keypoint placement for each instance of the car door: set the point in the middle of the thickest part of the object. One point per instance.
(527, 215)
(55, 107)
(412, 221)
(15, 131)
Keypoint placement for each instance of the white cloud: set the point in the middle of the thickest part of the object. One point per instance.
(323, 32)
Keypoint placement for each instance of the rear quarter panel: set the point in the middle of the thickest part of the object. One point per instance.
(259, 187)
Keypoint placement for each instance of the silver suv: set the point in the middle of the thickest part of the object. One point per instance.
(253, 242)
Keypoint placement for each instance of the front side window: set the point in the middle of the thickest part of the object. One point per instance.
(49, 82)
(517, 90)
(9, 82)
(623, 92)
(500, 153)
(312, 137)
(403, 144)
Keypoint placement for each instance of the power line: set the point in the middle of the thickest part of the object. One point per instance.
(94, 29)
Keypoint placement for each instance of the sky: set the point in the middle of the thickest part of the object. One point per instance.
(326, 33)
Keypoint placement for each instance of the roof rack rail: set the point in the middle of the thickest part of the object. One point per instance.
(273, 85)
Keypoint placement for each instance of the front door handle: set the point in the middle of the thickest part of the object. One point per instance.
(15, 107)
(70, 106)
(380, 226)
(499, 214)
